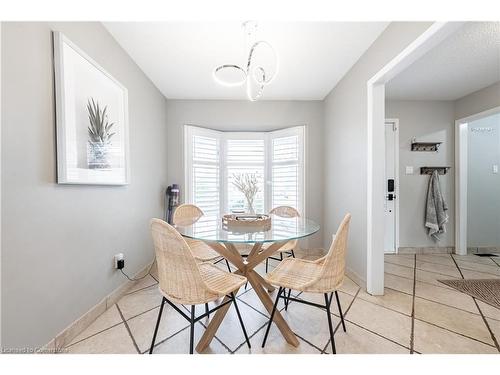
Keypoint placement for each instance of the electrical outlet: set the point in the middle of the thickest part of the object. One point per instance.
(119, 261)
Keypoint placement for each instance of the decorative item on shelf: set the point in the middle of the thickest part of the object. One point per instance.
(429, 170)
(258, 222)
(258, 69)
(247, 183)
(424, 146)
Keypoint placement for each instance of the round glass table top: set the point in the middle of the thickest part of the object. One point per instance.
(210, 228)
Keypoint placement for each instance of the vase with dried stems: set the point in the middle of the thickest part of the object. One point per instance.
(247, 183)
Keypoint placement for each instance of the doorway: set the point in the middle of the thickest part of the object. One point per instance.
(485, 213)
(391, 203)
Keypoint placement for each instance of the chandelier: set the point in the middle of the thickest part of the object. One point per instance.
(258, 71)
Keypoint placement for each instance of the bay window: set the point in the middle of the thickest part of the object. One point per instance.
(213, 159)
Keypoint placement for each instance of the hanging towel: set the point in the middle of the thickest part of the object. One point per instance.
(436, 215)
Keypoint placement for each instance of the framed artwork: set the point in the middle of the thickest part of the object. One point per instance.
(91, 120)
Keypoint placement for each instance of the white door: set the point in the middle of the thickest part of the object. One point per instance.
(391, 184)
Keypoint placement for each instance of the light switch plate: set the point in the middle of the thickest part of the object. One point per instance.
(409, 170)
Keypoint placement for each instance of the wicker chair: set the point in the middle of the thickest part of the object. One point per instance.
(187, 214)
(284, 211)
(324, 275)
(185, 281)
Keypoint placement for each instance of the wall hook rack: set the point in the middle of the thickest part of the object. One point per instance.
(425, 146)
(430, 170)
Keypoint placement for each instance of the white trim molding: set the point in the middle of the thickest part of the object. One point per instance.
(461, 174)
(435, 34)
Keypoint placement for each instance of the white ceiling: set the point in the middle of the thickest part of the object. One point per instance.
(466, 61)
(179, 57)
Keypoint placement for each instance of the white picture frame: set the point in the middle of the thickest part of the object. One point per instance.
(89, 152)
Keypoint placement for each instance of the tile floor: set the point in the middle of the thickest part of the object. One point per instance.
(417, 314)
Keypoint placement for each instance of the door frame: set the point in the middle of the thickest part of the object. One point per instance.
(461, 177)
(395, 121)
(434, 35)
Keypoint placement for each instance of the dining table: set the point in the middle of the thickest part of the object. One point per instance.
(245, 247)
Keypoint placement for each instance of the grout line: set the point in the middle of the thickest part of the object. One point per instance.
(412, 332)
(487, 326)
(480, 312)
(494, 261)
(345, 314)
(378, 334)
(128, 330)
(95, 334)
(455, 332)
(150, 274)
(165, 339)
(138, 290)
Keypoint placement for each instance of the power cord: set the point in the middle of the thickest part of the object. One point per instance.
(142, 277)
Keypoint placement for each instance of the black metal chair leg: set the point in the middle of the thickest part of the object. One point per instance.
(228, 266)
(157, 325)
(293, 254)
(287, 300)
(246, 285)
(281, 256)
(206, 310)
(332, 340)
(272, 316)
(241, 320)
(340, 310)
(267, 264)
(191, 334)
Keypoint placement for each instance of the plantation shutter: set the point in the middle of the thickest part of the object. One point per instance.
(244, 155)
(203, 169)
(287, 171)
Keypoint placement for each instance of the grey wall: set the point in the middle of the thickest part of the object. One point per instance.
(478, 101)
(345, 140)
(58, 241)
(227, 115)
(426, 121)
(483, 186)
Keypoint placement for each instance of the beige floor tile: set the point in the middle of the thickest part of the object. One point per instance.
(345, 301)
(431, 339)
(399, 283)
(446, 296)
(115, 340)
(438, 268)
(474, 259)
(349, 286)
(254, 301)
(275, 344)
(391, 299)
(143, 283)
(398, 270)
(493, 269)
(400, 260)
(139, 302)
(432, 278)
(230, 332)
(108, 319)
(385, 322)
(468, 274)
(142, 326)
(488, 310)
(444, 259)
(455, 320)
(360, 341)
(179, 344)
(309, 322)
